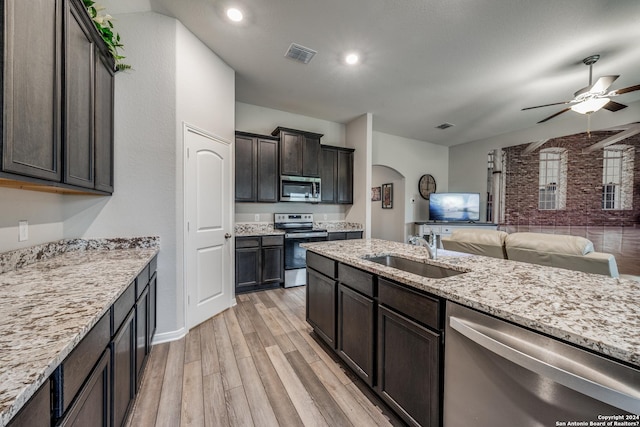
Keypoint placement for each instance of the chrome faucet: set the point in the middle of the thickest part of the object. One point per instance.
(432, 247)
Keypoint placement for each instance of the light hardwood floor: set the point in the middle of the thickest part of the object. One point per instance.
(256, 364)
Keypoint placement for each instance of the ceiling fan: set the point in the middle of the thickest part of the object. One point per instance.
(593, 97)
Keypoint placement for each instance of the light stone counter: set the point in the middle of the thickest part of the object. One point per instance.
(50, 297)
(593, 311)
(245, 229)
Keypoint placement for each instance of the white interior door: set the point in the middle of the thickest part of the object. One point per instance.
(208, 261)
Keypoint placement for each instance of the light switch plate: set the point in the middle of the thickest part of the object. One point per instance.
(23, 227)
(256, 217)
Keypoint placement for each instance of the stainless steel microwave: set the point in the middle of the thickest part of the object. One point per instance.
(299, 189)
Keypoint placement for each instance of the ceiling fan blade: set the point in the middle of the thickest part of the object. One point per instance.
(614, 106)
(627, 89)
(603, 84)
(546, 105)
(556, 114)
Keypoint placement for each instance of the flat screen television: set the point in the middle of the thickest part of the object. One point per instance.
(454, 207)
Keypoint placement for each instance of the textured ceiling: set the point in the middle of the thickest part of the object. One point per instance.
(473, 63)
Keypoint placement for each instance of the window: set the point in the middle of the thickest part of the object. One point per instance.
(617, 177)
(552, 188)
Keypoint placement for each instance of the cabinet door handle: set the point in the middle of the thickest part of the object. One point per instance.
(227, 236)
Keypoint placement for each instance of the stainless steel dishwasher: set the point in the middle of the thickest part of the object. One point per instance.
(499, 374)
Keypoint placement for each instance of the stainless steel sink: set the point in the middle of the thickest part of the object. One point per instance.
(410, 266)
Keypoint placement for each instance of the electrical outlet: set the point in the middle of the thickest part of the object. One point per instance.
(23, 227)
(325, 217)
(256, 217)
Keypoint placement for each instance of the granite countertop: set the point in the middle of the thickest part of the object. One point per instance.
(50, 297)
(593, 311)
(246, 229)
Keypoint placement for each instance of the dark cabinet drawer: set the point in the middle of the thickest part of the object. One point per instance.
(337, 236)
(153, 265)
(322, 264)
(92, 407)
(422, 308)
(247, 242)
(123, 306)
(37, 411)
(142, 280)
(272, 240)
(356, 279)
(72, 373)
(353, 235)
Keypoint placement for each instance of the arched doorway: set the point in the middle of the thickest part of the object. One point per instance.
(388, 224)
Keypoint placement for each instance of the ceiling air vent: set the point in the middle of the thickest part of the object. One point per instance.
(300, 53)
(444, 126)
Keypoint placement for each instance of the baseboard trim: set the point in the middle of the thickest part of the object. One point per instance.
(169, 336)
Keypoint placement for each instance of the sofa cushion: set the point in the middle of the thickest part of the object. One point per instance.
(550, 243)
(476, 241)
(562, 251)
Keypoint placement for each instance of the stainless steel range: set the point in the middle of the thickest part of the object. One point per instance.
(298, 229)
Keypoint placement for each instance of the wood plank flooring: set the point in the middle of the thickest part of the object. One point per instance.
(256, 364)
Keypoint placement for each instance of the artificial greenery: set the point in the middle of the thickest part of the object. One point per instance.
(102, 22)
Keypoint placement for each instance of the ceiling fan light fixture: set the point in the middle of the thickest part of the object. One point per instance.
(590, 105)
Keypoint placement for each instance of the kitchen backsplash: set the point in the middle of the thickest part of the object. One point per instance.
(15, 259)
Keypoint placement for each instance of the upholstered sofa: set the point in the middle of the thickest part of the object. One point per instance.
(553, 250)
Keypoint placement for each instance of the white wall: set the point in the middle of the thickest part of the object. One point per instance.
(388, 224)
(412, 159)
(468, 162)
(359, 136)
(44, 211)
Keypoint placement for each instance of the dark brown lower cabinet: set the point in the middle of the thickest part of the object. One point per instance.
(247, 268)
(355, 332)
(259, 262)
(142, 333)
(321, 305)
(37, 411)
(123, 348)
(153, 297)
(345, 235)
(409, 368)
(92, 405)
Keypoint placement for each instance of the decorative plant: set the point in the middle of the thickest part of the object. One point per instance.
(102, 22)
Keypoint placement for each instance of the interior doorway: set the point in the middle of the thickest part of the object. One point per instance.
(388, 223)
(208, 224)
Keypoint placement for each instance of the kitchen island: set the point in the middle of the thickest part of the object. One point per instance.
(51, 296)
(593, 311)
(395, 330)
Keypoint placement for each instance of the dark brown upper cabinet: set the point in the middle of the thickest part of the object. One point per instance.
(337, 175)
(57, 98)
(299, 152)
(256, 168)
(31, 79)
(79, 82)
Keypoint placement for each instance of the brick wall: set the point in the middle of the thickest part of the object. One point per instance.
(584, 185)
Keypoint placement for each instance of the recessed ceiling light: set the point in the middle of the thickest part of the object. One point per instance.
(351, 58)
(234, 14)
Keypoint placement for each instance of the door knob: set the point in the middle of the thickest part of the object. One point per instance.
(227, 235)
